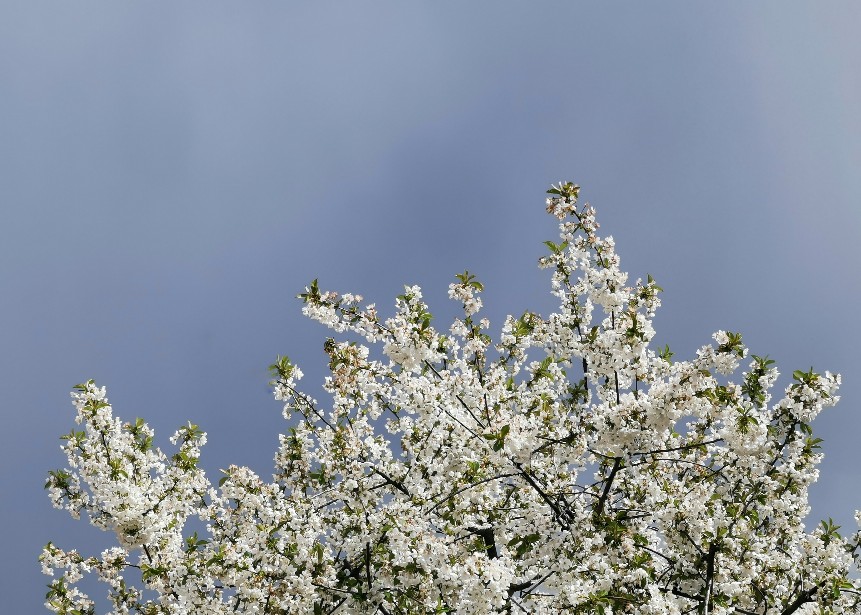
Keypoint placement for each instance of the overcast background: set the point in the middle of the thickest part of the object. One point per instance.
(173, 174)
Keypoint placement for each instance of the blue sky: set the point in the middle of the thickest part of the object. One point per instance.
(173, 174)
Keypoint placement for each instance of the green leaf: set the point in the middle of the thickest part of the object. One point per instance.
(149, 572)
(312, 294)
(733, 344)
(498, 438)
(523, 544)
(812, 444)
(468, 279)
(556, 249)
(829, 530)
(84, 386)
(193, 543)
(808, 377)
(58, 478)
(763, 363)
(651, 282)
(282, 369)
(567, 190)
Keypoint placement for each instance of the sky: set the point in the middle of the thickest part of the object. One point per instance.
(173, 174)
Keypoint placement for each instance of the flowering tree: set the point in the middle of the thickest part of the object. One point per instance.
(566, 468)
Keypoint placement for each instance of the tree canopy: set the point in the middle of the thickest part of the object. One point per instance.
(564, 466)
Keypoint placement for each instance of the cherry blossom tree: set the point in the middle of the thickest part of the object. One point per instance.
(567, 467)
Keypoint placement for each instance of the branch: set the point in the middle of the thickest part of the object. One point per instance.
(803, 598)
(368, 565)
(466, 487)
(486, 534)
(710, 574)
(390, 481)
(458, 397)
(529, 586)
(599, 509)
(679, 448)
(560, 515)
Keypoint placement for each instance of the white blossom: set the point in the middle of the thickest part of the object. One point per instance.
(568, 467)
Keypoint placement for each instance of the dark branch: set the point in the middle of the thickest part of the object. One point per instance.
(803, 598)
(602, 501)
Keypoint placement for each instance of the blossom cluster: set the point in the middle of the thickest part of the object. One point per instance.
(568, 467)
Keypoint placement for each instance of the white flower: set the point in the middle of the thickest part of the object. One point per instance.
(567, 467)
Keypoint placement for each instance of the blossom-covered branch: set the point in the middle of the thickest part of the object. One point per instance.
(568, 466)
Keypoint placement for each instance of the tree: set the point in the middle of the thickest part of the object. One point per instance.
(451, 474)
